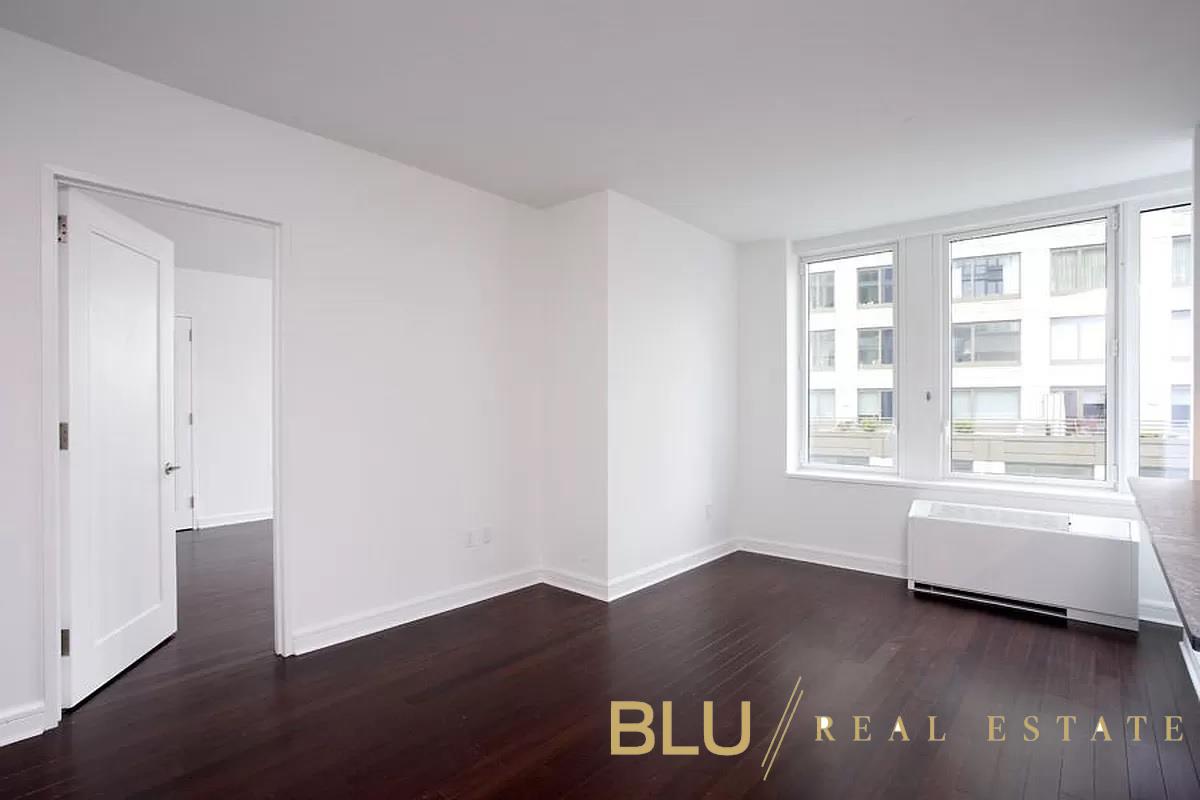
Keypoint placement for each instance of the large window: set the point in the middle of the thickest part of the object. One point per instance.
(987, 342)
(986, 277)
(820, 291)
(1165, 360)
(1007, 417)
(876, 347)
(851, 361)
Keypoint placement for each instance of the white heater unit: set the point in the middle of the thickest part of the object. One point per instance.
(1071, 566)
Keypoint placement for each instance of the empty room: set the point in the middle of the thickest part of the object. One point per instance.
(594, 400)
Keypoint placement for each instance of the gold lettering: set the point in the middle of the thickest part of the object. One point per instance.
(1101, 728)
(933, 737)
(1171, 725)
(710, 741)
(1138, 720)
(996, 729)
(1031, 728)
(824, 729)
(669, 748)
(1067, 721)
(617, 727)
(900, 729)
(861, 734)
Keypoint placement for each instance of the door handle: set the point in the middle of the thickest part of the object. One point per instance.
(168, 468)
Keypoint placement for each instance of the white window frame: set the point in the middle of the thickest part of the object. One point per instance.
(800, 344)
(1113, 441)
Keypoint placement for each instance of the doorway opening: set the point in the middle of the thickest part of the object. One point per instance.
(164, 490)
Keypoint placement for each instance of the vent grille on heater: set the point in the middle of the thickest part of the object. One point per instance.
(979, 597)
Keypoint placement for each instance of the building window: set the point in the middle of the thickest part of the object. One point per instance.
(851, 417)
(985, 277)
(987, 342)
(1078, 269)
(820, 404)
(986, 404)
(875, 347)
(875, 404)
(1075, 339)
(875, 286)
(823, 354)
(1181, 260)
(1006, 419)
(820, 291)
(1165, 358)
(1181, 335)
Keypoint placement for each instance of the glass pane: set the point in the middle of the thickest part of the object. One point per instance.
(1165, 360)
(1006, 418)
(851, 420)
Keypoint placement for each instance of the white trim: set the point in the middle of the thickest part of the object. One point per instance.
(827, 556)
(22, 722)
(640, 579)
(52, 179)
(353, 626)
(1160, 611)
(217, 520)
(1191, 660)
(574, 582)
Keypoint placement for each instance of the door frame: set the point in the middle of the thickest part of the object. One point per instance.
(193, 478)
(53, 179)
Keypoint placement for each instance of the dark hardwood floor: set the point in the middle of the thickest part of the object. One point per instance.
(510, 697)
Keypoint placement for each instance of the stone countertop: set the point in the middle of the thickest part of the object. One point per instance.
(1171, 510)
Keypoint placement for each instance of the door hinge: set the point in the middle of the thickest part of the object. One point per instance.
(192, 501)
(1116, 348)
(64, 641)
(64, 436)
(189, 334)
(62, 228)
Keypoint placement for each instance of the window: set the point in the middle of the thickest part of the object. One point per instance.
(1165, 357)
(990, 403)
(984, 277)
(875, 347)
(851, 418)
(1181, 260)
(820, 404)
(822, 351)
(820, 291)
(987, 342)
(875, 286)
(1078, 269)
(1076, 339)
(1006, 419)
(875, 404)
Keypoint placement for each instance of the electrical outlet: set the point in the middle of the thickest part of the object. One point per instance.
(469, 539)
(708, 511)
(487, 535)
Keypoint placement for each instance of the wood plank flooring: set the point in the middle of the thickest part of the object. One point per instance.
(510, 697)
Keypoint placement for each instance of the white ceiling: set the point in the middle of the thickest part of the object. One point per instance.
(203, 241)
(749, 118)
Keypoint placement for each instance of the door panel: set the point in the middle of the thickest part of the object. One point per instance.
(118, 542)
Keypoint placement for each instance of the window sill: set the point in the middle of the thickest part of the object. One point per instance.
(1109, 497)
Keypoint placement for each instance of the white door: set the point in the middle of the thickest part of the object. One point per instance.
(119, 516)
(185, 418)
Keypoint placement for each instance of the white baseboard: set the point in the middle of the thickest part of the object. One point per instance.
(574, 582)
(640, 579)
(217, 520)
(351, 627)
(1163, 613)
(826, 556)
(21, 722)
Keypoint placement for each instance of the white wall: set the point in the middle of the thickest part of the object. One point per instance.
(408, 311)
(231, 389)
(860, 524)
(672, 378)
